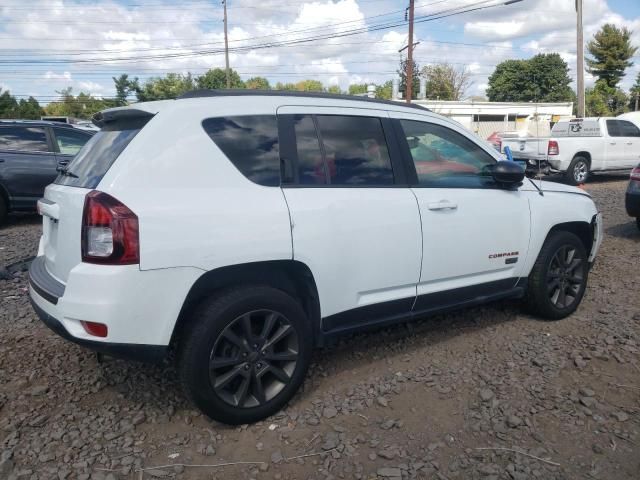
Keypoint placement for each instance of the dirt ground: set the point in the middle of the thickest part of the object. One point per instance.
(487, 393)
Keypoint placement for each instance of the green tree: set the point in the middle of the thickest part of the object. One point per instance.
(83, 105)
(605, 101)
(402, 72)
(334, 89)
(612, 51)
(29, 109)
(216, 78)
(446, 82)
(257, 83)
(125, 87)
(160, 88)
(385, 91)
(542, 78)
(309, 86)
(8, 105)
(358, 88)
(634, 95)
(285, 86)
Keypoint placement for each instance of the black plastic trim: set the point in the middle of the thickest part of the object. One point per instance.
(632, 204)
(388, 313)
(284, 93)
(42, 282)
(127, 351)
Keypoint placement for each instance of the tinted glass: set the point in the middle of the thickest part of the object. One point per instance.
(251, 143)
(355, 150)
(445, 158)
(23, 139)
(311, 168)
(95, 158)
(613, 127)
(628, 129)
(69, 141)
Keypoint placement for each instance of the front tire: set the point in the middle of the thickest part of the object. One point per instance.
(578, 171)
(246, 354)
(558, 279)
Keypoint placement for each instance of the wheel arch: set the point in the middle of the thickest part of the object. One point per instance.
(583, 230)
(290, 276)
(583, 154)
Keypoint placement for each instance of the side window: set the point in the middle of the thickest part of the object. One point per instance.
(311, 166)
(444, 158)
(355, 150)
(69, 141)
(613, 127)
(251, 143)
(628, 129)
(23, 139)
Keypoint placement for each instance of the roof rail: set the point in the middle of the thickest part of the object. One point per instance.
(290, 93)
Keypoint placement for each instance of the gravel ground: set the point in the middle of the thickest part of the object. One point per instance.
(486, 393)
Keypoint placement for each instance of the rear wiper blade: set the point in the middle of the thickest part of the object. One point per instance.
(67, 173)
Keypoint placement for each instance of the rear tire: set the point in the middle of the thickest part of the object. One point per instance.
(578, 171)
(4, 210)
(245, 354)
(558, 279)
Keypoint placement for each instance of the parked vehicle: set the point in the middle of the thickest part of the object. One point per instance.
(495, 139)
(242, 228)
(633, 117)
(632, 198)
(31, 152)
(580, 146)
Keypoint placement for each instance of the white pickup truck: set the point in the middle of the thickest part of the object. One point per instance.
(580, 146)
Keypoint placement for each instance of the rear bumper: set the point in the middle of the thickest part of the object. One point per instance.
(139, 308)
(141, 353)
(632, 203)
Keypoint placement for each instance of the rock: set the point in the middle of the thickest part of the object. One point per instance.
(277, 457)
(157, 473)
(486, 394)
(372, 456)
(139, 418)
(329, 412)
(210, 451)
(387, 453)
(6, 467)
(330, 441)
(579, 362)
(588, 401)
(260, 446)
(621, 416)
(264, 467)
(586, 392)
(39, 390)
(597, 449)
(513, 421)
(383, 402)
(389, 472)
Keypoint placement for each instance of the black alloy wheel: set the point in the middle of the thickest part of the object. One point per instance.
(565, 276)
(253, 359)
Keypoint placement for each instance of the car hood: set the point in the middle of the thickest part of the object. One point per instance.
(547, 186)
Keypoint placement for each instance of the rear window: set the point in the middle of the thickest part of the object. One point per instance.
(96, 157)
(23, 139)
(251, 143)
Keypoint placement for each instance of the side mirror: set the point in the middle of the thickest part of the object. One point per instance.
(509, 174)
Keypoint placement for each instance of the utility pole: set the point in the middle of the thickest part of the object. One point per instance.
(409, 82)
(580, 65)
(226, 45)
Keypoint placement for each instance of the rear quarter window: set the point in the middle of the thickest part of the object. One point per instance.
(95, 158)
(250, 143)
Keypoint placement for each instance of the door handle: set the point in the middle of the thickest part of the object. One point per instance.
(629, 143)
(612, 143)
(1, 160)
(442, 205)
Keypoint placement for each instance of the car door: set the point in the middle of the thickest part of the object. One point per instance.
(28, 163)
(354, 220)
(68, 142)
(630, 135)
(475, 234)
(615, 148)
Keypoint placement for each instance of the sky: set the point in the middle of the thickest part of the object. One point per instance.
(48, 45)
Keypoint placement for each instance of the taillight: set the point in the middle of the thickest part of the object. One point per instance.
(635, 173)
(110, 233)
(553, 148)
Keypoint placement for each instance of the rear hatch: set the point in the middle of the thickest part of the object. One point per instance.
(63, 202)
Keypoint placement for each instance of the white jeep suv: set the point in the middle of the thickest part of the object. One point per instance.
(243, 228)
